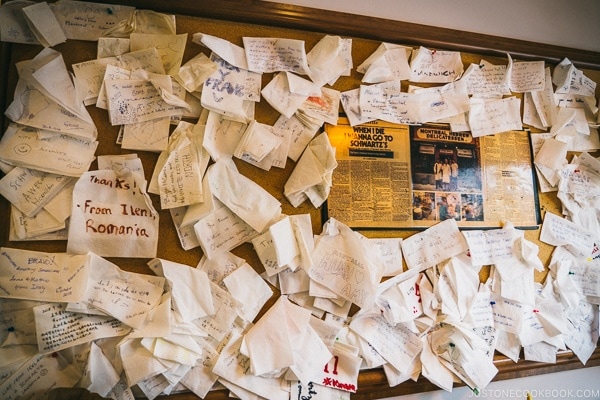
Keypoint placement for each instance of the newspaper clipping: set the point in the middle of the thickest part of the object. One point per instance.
(414, 176)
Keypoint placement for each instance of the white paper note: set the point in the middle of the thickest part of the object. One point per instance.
(235, 367)
(30, 190)
(249, 290)
(275, 54)
(32, 108)
(385, 101)
(397, 344)
(286, 92)
(428, 65)
(221, 231)
(44, 25)
(13, 27)
(133, 101)
(486, 80)
(127, 296)
(252, 203)
(559, 231)
(526, 76)
(59, 329)
(34, 275)
(189, 286)
(170, 48)
(434, 245)
(38, 375)
(89, 21)
(494, 116)
(47, 151)
(112, 216)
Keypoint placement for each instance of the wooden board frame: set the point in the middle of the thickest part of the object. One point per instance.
(372, 384)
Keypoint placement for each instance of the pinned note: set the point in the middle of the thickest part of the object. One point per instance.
(275, 54)
(33, 377)
(195, 71)
(89, 21)
(526, 76)
(34, 275)
(230, 91)
(30, 190)
(91, 74)
(100, 376)
(322, 108)
(311, 178)
(486, 80)
(13, 27)
(112, 47)
(286, 92)
(431, 65)
(299, 134)
(490, 247)
(341, 371)
(259, 145)
(234, 367)
(385, 101)
(397, 344)
(273, 350)
(390, 251)
(559, 231)
(329, 59)
(178, 173)
(388, 63)
(222, 135)
(43, 24)
(112, 216)
(32, 108)
(30, 148)
(350, 100)
(487, 117)
(170, 48)
(127, 296)
(189, 286)
(58, 329)
(438, 103)
(342, 262)
(132, 101)
(434, 245)
(48, 73)
(253, 204)
(249, 290)
(229, 52)
(221, 231)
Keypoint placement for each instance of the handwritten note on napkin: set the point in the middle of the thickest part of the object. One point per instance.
(275, 54)
(35, 275)
(59, 329)
(433, 245)
(430, 65)
(131, 101)
(112, 216)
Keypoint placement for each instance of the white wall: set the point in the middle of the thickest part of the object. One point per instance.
(569, 23)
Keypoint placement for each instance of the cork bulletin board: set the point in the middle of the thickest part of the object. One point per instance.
(232, 20)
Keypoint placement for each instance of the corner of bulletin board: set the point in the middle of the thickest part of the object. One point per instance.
(233, 25)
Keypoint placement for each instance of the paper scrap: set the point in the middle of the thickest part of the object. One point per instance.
(112, 216)
(35, 275)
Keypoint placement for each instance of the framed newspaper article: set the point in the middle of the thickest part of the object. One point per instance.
(414, 176)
